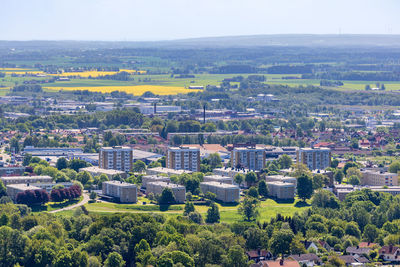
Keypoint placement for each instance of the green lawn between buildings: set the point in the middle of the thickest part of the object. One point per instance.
(229, 214)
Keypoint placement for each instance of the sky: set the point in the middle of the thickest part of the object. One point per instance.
(149, 20)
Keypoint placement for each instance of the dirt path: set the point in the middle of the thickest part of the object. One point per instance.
(83, 202)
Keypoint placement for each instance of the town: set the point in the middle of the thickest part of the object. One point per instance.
(199, 134)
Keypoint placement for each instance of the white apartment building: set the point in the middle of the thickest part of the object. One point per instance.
(116, 158)
(250, 157)
(183, 158)
(315, 158)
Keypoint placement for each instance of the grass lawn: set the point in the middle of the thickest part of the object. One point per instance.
(50, 206)
(268, 209)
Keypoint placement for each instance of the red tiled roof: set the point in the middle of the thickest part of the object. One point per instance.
(277, 263)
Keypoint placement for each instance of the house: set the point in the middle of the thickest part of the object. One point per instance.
(325, 245)
(389, 253)
(278, 263)
(358, 251)
(310, 245)
(350, 260)
(309, 259)
(367, 245)
(259, 255)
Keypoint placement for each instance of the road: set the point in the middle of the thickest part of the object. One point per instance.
(83, 202)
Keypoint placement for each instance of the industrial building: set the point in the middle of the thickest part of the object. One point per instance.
(153, 178)
(281, 190)
(224, 192)
(218, 178)
(25, 179)
(116, 158)
(121, 191)
(157, 187)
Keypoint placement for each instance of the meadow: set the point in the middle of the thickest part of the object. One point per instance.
(229, 214)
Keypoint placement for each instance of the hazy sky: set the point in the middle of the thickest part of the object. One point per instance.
(132, 20)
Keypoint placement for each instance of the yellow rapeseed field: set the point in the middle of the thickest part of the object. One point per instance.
(95, 73)
(135, 89)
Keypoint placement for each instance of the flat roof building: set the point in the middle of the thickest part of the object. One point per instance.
(165, 171)
(183, 158)
(281, 190)
(123, 192)
(153, 178)
(116, 158)
(157, 187)
(218, 178)
(379, 178)
(10, 171)
(224, 192)
(281, 178)
(96, 171)
(250, 157)
(14, 189)
(315, 158)
(230, 172)
(25, 179)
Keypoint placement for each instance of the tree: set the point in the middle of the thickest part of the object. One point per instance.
(236, 257)
(214, 160)
(139, 166)
(114, 259)
(338, 176)
(394, 167)
(319, 181)
(334, 163)
(27, 159)
(195, 217)
(213, 214)
(77, 164)
(62, 163)
(354, 180)
(12, 246)
(262, 188)
(252, 192)
(301, 169)
(304, 187)
(249, 208)
(84, 177)
(239, 178)
(370, 233)
(280, 241)
(354, 171)
(189, 207)
(93, 195)
(167, 197)
(251, 178)
(285, 161)
(325, 199)
(3, 189)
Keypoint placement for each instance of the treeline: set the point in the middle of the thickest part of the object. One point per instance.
(355, 76)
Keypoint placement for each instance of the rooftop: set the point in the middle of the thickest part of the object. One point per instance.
(281, 184)
(166, 184)
(23, 187)
(218, 184)
(100, 170)
(120, 183)
(6, 178)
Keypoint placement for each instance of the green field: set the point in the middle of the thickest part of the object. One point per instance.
(199, 80)
(268, 209)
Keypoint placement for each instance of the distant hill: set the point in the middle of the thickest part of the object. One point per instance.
(285, 40)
